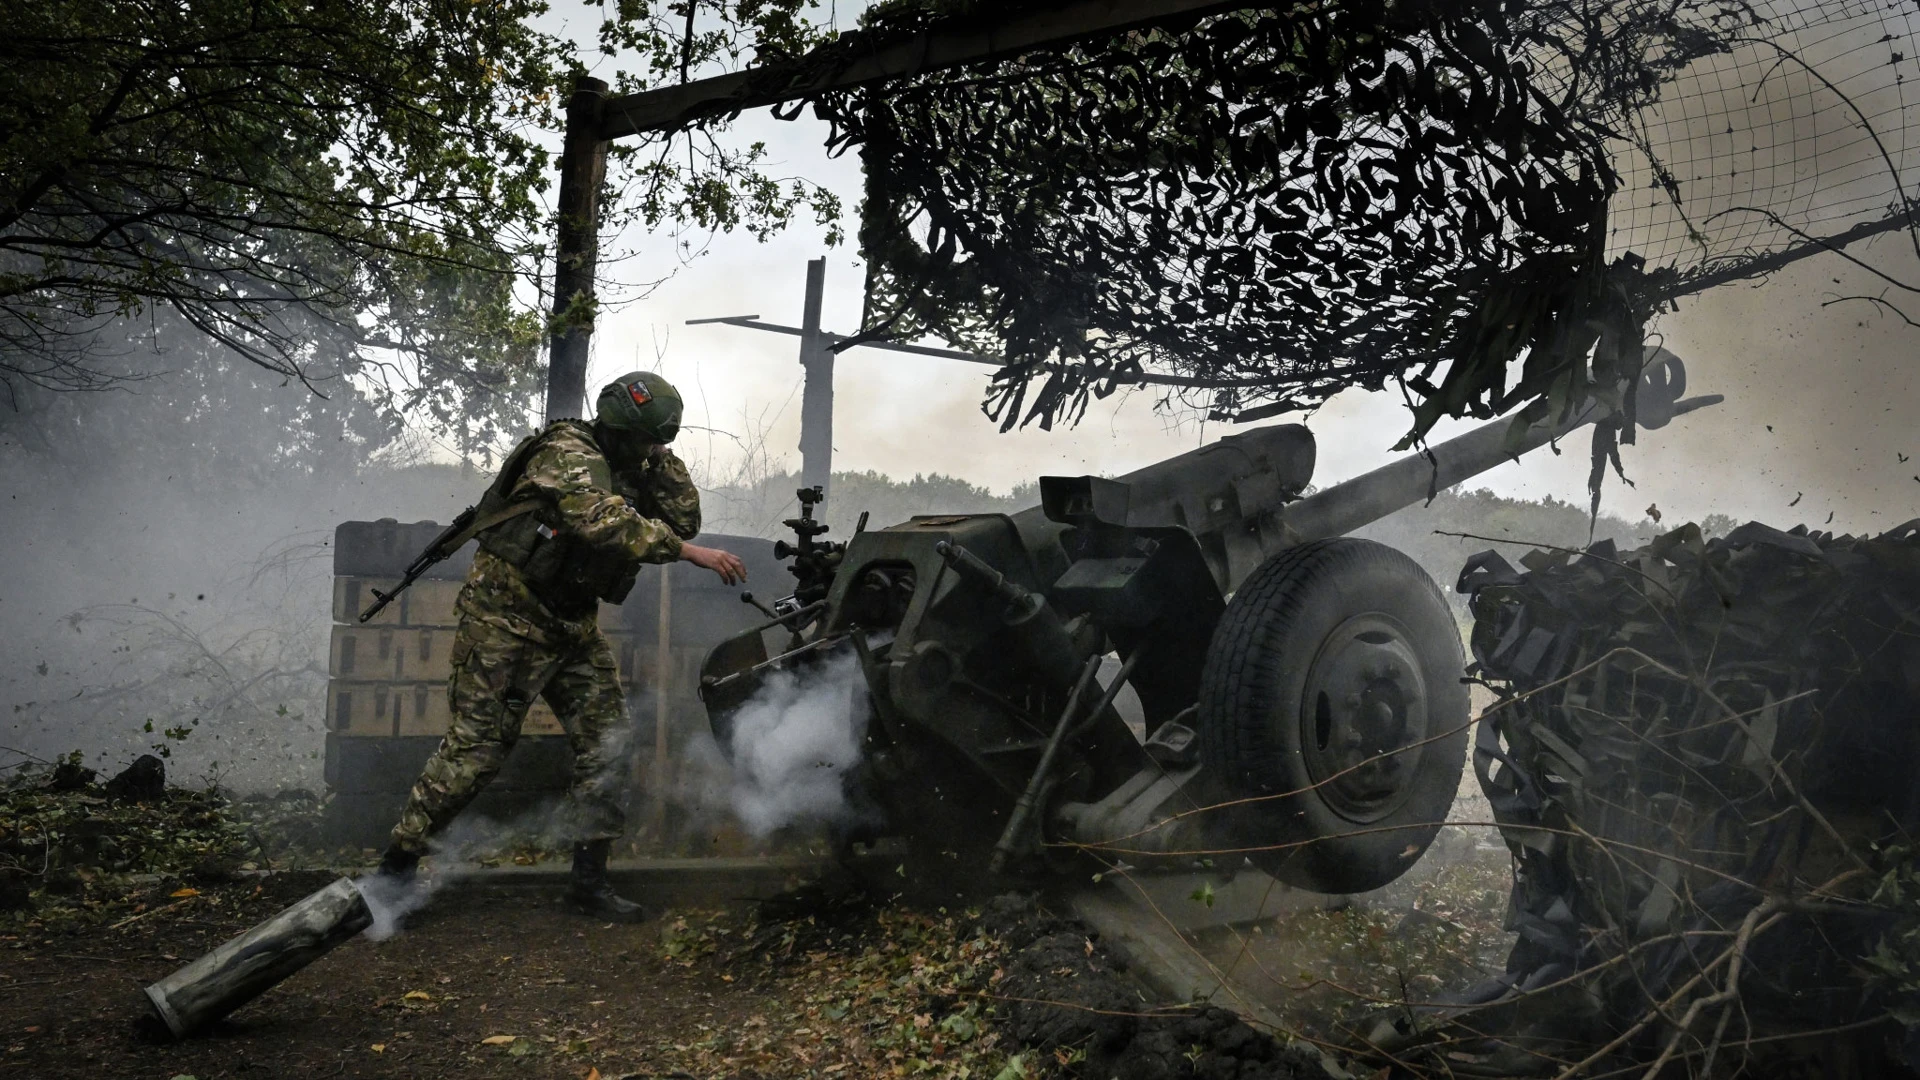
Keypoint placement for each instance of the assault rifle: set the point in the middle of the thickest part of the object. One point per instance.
(463, 528)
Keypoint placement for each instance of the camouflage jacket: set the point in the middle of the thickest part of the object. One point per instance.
(646, 516)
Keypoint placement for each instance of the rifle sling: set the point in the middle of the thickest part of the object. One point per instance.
(482, 524)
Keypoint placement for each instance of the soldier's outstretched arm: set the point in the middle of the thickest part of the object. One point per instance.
(725, 563)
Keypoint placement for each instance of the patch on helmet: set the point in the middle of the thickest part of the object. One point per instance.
(638, 392)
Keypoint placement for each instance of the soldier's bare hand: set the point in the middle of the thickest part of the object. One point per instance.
(725, 563)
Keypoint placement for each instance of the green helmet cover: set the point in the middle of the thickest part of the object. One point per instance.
(642, 403)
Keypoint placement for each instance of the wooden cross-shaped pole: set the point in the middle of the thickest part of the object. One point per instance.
(816, 399)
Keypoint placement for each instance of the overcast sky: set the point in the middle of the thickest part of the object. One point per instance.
(1820, 400)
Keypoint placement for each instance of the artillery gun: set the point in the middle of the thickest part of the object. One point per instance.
(1301, 687)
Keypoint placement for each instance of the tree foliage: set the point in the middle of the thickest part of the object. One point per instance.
(242, 165)
(191, 416)
(326, 188)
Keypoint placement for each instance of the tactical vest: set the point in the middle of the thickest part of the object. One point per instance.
(566, 573)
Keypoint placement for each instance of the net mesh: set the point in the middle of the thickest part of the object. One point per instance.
(1803, 128)
(1479, 203)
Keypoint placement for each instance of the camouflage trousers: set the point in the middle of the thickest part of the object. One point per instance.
(496, 676)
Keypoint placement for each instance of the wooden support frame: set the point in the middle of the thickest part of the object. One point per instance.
(963, 42)
(594, 119)
(583, 170)
(662, 710)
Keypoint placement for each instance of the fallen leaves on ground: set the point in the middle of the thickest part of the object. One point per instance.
(1318, 969)
(71, 855)
(888, 992)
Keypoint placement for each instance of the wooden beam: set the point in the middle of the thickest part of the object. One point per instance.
(830, 339)
(662, 708)
(964, 41)
(583, 167)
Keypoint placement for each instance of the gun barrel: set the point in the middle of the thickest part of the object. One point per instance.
(1371, 496)
(1237, 495)
(380, 601)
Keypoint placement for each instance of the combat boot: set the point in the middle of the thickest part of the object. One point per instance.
(591, 893)
(398, 865)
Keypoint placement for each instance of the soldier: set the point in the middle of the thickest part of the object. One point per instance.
(579, 507)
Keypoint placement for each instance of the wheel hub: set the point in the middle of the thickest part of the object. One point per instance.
(1364, 709)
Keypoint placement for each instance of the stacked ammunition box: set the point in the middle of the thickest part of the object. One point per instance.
(387, 692)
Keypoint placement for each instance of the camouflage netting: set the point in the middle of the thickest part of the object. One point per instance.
(1702, 760)
(1458, 198)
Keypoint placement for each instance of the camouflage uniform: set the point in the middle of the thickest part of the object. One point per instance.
(512, 644)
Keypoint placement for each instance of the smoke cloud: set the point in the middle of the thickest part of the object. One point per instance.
(794, 744)
(167, 585)
(392, 901)
(455, 853)
(551, 825)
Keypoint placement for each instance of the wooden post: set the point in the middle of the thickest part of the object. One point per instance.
(583, 168)
(662, 710)
(816, 400)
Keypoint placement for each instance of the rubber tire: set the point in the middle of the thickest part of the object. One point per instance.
(1259, 660)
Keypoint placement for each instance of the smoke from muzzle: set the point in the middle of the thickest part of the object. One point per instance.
(795, 743)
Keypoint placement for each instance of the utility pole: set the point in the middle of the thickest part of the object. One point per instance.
(816, 399)
(583, 167)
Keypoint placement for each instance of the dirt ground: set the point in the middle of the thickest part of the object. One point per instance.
(891, 972)
(577, 997)
(507, 983)
(1323, 973)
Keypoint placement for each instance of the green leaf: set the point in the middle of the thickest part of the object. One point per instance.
(1014, 1069)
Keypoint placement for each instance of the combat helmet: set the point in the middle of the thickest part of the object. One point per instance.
(642, 404)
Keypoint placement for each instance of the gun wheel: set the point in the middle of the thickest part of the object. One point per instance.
(1332, 694)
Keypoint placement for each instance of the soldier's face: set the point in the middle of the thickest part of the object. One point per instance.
(624, 448)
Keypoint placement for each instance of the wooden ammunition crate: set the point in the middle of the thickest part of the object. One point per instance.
(404, 709)
(424, 654)
(387, 696)
(398, 653)
(425, 603)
